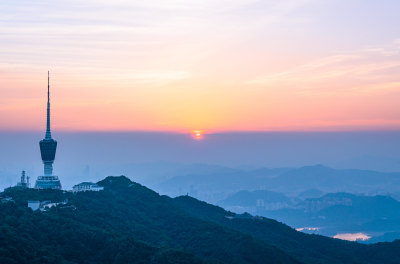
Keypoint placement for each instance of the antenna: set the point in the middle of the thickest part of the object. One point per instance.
(23, 177)
(48, 132)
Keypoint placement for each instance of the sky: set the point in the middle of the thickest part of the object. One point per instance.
(213, 66)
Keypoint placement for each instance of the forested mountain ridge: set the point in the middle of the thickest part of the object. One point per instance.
(129, 223)
(125, 223)
(304, 247)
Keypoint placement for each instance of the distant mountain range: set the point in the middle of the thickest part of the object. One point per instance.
(129, 223)
(216, 186)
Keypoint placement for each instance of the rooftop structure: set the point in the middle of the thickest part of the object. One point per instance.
(24, 183)
(34, 205)
(87, 186)
(48, 148)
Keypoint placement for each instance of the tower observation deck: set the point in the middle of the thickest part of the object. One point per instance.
(48, 147)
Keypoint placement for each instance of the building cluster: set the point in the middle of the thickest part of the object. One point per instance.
(24, 183)
(46, 205)
(87, 186)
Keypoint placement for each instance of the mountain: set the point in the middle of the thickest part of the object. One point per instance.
(129, 223)
(125, 223)
(307, 248)
(331, 180)
(344, 213)
(250, 201)
(214, 186)
(310, 193)
(218, 185)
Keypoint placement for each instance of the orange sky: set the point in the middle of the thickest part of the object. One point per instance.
(200, 65)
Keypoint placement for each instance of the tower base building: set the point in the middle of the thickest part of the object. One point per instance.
(48, 182)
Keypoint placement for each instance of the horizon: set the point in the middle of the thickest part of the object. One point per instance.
(111, 153)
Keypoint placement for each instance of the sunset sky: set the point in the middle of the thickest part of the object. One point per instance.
(207, 65)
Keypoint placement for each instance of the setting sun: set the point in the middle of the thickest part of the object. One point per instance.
(197, 134)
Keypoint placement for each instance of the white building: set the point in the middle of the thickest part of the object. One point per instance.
(44, 205)
(34, 205)
(87, 186)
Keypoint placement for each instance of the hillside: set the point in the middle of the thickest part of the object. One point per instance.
(129, 223)
(307, 248)
(125, 223)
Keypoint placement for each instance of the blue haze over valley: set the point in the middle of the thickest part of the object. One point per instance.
(312, 180)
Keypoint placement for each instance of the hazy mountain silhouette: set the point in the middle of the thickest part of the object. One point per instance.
(217, 186)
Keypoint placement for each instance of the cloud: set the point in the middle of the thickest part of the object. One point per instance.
(231, 59)
(359, 70)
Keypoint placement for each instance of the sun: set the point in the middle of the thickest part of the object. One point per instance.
(197, 134)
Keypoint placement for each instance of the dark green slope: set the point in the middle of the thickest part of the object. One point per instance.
(307, 248)
(34, 237)
(125, 223)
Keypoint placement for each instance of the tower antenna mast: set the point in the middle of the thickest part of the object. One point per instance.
(48, 131)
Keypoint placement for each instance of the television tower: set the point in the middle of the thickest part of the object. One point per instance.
(48, 147)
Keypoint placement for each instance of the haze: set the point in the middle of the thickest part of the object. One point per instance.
(145, 156)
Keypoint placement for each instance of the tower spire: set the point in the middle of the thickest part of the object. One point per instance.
(48, 132)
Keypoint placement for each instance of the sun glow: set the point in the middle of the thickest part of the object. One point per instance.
(197, 134)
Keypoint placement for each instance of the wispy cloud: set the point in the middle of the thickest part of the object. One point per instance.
(251, 64)
(358, 70)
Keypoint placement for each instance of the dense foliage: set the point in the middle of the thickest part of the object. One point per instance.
(125, 223)
(57, 236)
(128, 223)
